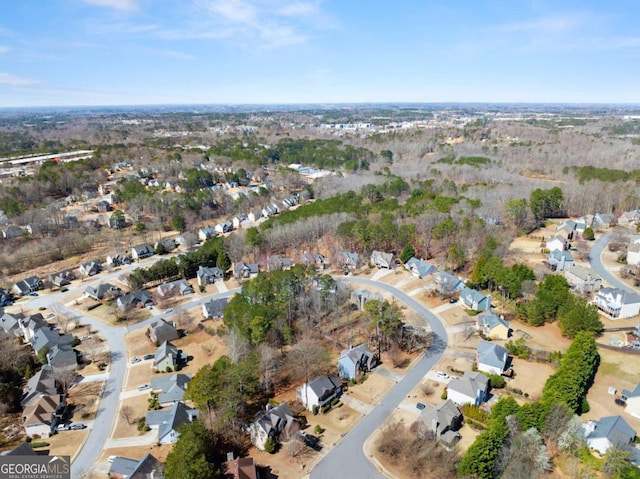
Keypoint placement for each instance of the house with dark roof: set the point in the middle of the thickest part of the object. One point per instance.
(472, 388)
(214, 308)
(607, 432)
(443, 421)
(48, 337)
(380, 259)
(491, 358)
(240, 468)
(245, 270)
(40, 414)
(42, 383)
(319, 391)
(90, 268)
(617, 303)
(170, 389)
(270, 423)
(207, 275)
(139, 299)
(27, 285)
(117, 259)
(315, 259)
(206, 233)
(141, 251)
(102, 291)
(62, 278)
(6, 298)
(224, 227)
(419, 268)
(254, 215)
(161, 331)
(168, 422)
(560, 260)
(168, 357)
(493, 326)
(167, 244)
(474, 299)
(360, 297)
(147, 467)
(187, 239)
(62, 357)
(10, 323)
(275, 262)
(603, 220)
(355, 361)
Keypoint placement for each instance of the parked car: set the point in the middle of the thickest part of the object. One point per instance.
(441, 375)
(77, 425)
(135, 360)
(143, 387)
(148, 356)
(63, 427)
(453, 300)
(33, 294)
(111, 458)
(310, 440)
(420, 406)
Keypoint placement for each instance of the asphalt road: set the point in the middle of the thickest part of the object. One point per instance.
(598, 267)
(347, 458)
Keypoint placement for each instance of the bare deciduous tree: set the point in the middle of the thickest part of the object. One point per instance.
(126, 413)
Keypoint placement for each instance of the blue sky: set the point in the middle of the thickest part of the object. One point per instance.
(117, 52)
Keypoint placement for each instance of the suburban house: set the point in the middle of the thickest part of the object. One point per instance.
(62, 357)
(607, 432)
(42, 383)
(633, 253)
(167, 422)
(359, 297)
(239, 220)
(270, 424)
(632, 398)
(492, 358)
(560, 260)
(40, 415)
(10, 323)
(493, 326)
(245, 270)
(275, 262)
(62, 278)
(12, 232)
(583, 280)
(223, 227)
(27, 285)
(161, 331)
(141, 251)
(168, 357)
(348, 260)
(419, 268)
(254, 215)
(316, 259)
(5, 297)
(319, 391)
(48, 337)
(556, 243)
(208, 275)
(629, 218)
(617, 303)
(214, 308)
(187, 239)
(443, 421)
(240, 468)
(603, 220)
(174, 288)
(171, 388)
(474, 299)
(146, 468)
(167, 244)
(448, 283)
(90, 268)
(117, 259)
(139, 299)
(355, 361)
(472, 388)
(102, 291)
(29, 326)
(380, 259)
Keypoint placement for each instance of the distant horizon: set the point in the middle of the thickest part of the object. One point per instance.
(101, 53)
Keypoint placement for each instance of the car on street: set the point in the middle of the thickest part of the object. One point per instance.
(143, 387)
(420, 406)
(50, 315)
(135, 360)
(441, 375)
(77, 426)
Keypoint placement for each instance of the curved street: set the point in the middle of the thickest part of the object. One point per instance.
(596, 263)
(348, 457)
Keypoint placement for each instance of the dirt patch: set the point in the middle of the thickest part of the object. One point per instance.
(138, 452)
(530, 377)
(65, 443)
(138, 374)
(138, 406)
(84, 399)
(374, 388)
(202, 347)
(138, 344)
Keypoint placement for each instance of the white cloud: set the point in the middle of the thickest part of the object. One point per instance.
(8, 79)
(126, 5)
(4, 49)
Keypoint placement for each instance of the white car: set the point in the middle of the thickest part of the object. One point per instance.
(441, 375)
(111, 458)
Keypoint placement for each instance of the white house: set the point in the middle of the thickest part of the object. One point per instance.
(617, 303)
(491, 358)
(319, 391)
(472, 388)
(270, 424)
(557, 243)
(607, 432)
(632, 398)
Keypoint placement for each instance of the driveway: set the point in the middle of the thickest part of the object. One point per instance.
(348, 454)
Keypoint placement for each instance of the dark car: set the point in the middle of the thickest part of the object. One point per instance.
(312, 441)
(453, 300)
(420, 406)
(620, 402)
(148, 356)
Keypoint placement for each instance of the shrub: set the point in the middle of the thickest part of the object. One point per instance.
(36, 444)
(270, 445)
(443, 396)
(102, 366)
(64, 289)
(335, 401)
(142, 425)
(314, 410)
(325, 408)
(168, 369)
(318, 429)
(497, 381)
